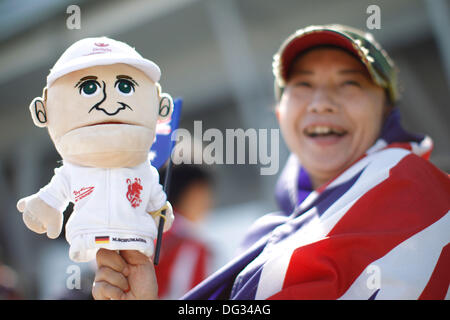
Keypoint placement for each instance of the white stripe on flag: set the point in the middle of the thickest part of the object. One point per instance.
(274, 271)
(405, 270)
(380, 161)
(422, 147)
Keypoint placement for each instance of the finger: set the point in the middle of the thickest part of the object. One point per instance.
(54, 227)
(112, 277)
(104, 291)
(21, 205)
(112, 260)
(134, 257)
(32, 223)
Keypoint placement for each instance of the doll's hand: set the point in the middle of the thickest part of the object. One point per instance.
(40, 217)
(169, 217)
(128, 275)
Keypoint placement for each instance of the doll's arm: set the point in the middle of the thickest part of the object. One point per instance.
(168, 216)
(42, 212)
(158, 202)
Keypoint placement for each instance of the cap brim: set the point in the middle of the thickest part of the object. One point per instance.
(145, 65)
(357, 43)
(299, 44)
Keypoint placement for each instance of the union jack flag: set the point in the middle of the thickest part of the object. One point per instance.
(380, 230)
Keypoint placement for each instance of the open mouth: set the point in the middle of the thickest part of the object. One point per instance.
(315, 131)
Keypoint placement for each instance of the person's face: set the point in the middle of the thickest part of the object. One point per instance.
(330, 112)
(103, 115)
(196, 201)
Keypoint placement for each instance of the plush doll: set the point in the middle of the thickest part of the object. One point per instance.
(100, 106)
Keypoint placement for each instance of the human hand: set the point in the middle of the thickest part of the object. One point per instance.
(128, 275)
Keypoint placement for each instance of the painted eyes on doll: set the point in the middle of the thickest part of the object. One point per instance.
(124, 87)
(89, 88)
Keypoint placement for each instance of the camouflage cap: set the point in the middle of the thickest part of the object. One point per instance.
(361, 44)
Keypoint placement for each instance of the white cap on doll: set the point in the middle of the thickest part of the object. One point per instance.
(90, 52)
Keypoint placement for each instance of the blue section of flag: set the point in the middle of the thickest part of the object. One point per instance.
(162, 147)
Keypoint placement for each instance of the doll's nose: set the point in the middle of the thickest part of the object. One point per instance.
(107, 106)
(113, 110)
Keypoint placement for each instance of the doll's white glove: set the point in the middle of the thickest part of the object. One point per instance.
(169, 217)
(40, 217)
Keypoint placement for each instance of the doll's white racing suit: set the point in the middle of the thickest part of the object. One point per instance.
(110, 207)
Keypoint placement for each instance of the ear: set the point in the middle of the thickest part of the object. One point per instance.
(277, 112)
(165, 104)
(38, 110)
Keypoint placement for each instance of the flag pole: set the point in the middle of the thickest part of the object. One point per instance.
(177, 105)
(161, 221)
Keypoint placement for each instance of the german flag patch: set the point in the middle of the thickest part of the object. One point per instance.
(101, 239)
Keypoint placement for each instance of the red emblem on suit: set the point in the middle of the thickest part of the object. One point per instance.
(134, 192)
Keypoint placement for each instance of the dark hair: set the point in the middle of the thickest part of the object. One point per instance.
(181, 178)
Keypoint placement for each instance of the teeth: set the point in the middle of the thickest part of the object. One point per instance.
(323, 130)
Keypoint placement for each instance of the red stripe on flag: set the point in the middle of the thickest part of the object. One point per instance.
(437, 286)
(426, 155)
(414, 196)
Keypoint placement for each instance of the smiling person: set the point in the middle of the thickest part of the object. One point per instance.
(364, 214)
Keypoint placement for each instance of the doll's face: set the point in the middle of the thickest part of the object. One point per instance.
(103, 116)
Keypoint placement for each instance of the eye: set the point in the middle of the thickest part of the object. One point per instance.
(302, 84)
(352, 83)
(89, 88)
(124, 87)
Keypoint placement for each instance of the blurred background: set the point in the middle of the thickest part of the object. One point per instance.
(217, 56)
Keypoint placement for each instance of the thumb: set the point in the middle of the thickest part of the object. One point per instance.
(21, 204)
(54, 227)
(134, 257)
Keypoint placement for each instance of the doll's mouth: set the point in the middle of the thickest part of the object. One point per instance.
(107, 125)
(107, 122)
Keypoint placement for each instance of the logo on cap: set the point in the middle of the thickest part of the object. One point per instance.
(101, 44)
(99, 48)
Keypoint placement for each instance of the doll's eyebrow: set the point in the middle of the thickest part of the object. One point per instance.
(86, 78)
(122, 76)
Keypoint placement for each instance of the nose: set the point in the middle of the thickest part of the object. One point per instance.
(322, 102)
(106, 106)
(110, 109)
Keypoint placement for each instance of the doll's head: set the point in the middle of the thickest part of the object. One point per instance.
(101, 104)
